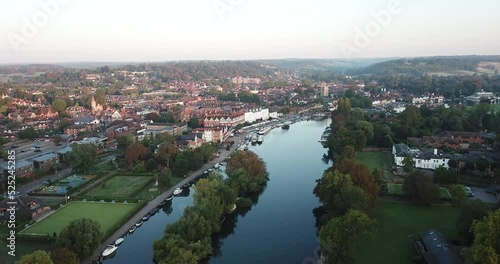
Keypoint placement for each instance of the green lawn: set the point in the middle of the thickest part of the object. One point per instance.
(396, 222)
(397, 189)
(375, 159)
(107, 214)
(120, 187)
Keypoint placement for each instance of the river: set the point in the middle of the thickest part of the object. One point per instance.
(279, 228)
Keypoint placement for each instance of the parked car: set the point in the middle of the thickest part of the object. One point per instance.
(469, 191)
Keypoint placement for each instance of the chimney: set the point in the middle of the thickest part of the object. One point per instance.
(435, 151)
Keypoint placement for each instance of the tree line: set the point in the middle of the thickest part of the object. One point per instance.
(189, 240)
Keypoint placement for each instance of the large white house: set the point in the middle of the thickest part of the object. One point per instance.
(425, 158)
(254, 115)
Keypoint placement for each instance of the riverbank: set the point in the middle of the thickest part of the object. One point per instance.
(154, 203)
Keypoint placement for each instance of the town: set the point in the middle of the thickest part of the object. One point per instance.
(104, 149)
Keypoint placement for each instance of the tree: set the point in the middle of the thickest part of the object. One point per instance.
(482, 164)
(366, 127)
(173, 249)
(28, 133)
(166, 154)
(361, 177)
(164, 178)
(338, 238)
(82, 157)
(470, 211)
(180, 167)
(348, 153)
(64, 256)
(244, 184)
(453, 164)
(486, 246)
(38, 257)
(408, 164)
(338, 194)
(138, 169)
(57, 140)
(458, 193)
(59, 105)
(134, 152)
(445, 176)
(252, 164)
(194, 122)
(151, 165)
(420, 189)
(123, 142)
(285, 110)
(81, 236)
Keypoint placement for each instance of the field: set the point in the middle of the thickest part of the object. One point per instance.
(120, 187)
(375, 159)
(396, 222)
(398, 190)
(107, 214)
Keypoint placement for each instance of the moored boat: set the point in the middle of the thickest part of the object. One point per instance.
(119, 241)
(146, 217)
(170, 197)
(138, 224)
(177, 191)
(132, 229)
(109, 250)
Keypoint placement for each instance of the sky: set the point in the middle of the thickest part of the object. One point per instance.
(44, 31)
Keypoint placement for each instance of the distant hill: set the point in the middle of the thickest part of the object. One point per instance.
(339, 65)
(455, 65)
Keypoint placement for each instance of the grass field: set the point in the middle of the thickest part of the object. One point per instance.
(375, 159)
(107, 214)
(120, 187)
(398, 190)
(396, 222)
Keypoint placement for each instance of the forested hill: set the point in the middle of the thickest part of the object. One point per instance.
(456, 65)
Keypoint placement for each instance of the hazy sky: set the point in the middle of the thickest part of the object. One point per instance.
(147, 30)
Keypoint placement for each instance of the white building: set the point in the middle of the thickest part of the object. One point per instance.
(424, 158)
(257, 114)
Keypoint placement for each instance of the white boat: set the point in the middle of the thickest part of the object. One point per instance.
(139, 223)
(132, 229)
(232, 208)
(109, 250)
(119, 241)
(260, 139)
(145, 218)
(177, 191)
(169, 198)
(264, 131)
(216, 166)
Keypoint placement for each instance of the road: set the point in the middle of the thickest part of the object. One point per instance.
(154, 203)
(26, 151)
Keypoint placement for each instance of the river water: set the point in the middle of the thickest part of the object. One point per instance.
(279, 228)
